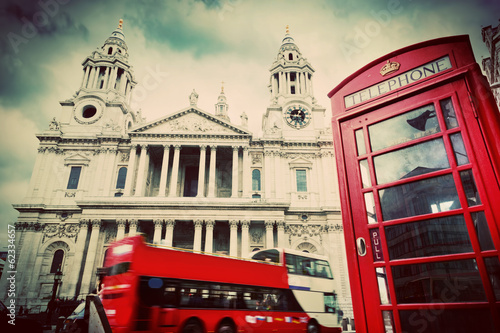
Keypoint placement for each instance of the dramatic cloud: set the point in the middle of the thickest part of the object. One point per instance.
(177, 46)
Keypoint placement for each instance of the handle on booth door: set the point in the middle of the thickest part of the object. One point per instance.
(361, 245)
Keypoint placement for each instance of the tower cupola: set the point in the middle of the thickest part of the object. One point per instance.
(291, 73)
(107, 70)
(221, 108)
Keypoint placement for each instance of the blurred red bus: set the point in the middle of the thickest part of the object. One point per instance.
(156, 289)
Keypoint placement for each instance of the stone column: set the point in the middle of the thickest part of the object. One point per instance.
(247, 175)
(269, 234)
(132, 227)
(130, 171)
(201, 171)
(233, 238)
(245, 238)
(169, 234)
(157, 233)
(77, 258)
(211, 176)
(106, 78)
(164, 171)
(198, 226)
(96, 77)
(85, 76)
(278, 175)
(141, 172)
(281, 233)
(209, 235)
(120, 229)
(268, 181)
(234, 189)
(88, 271)
(175, 171)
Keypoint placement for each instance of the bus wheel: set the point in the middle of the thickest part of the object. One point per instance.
(226, 327)
(192, 326)
(312, 327)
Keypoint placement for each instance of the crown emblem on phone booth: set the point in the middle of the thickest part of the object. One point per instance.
(389, 67)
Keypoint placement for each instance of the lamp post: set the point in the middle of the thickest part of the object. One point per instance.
(51, 305)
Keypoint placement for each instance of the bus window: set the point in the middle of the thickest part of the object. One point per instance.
(330, 302)
(120, 268)
(268, 256)
(323, 269)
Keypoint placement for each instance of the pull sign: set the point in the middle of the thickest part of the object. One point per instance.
(361, 244)
(378, 255)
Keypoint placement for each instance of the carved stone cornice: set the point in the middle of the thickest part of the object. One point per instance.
(66, 230)
(310, 230)
(29, 226)
(335, 228)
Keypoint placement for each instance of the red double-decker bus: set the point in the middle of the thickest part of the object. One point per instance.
(150, 288)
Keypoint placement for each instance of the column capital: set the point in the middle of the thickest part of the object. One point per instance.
(96, 223)
(233, 224)
(143, 146)
(166, 146)
(158, 223)
(269, 224)
(170, 223)
(209, 223)
(235, 148)
(177, 147)
(84, 223)
(121, 223)
(203, 147)
(245, 224)
(198, 223)
(280, 224)
(213, 147)
(133, 222)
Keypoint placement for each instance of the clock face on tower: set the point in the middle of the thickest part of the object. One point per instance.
(297, 116)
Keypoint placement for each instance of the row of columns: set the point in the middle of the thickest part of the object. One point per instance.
(209, 233)
(143, 165)
(281, 84)
(91, 80)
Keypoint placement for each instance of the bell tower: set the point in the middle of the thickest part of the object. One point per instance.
(102, 101)
(293, 111)
(221, 108)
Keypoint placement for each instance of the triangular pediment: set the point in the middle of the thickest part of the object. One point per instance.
(76, 159)
(190, 121)
(300, 163)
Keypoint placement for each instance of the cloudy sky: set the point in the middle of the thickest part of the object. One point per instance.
(178, 46)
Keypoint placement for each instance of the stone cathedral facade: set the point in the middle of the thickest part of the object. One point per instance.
(192, 179)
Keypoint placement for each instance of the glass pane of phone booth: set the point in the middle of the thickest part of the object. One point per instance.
(424, 212)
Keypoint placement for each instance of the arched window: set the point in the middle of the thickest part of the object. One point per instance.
(57, 261)
(290, 56)
(122, 175)
(110, 50)
(256, 180)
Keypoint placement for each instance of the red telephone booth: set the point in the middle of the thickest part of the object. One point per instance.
(417, 139)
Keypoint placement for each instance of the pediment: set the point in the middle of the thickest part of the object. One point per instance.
(300, 163)
(76, 159)
(190, 121)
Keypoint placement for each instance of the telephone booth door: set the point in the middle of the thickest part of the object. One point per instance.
(426, 243)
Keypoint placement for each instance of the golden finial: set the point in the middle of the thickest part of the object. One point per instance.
(120, 23)
(222, 87)
(287, 30)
